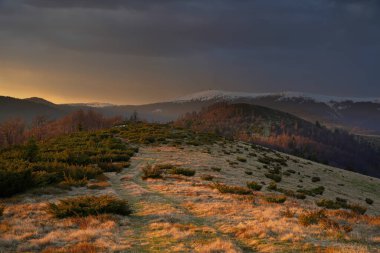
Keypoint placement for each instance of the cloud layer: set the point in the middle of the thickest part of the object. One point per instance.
(139, 51)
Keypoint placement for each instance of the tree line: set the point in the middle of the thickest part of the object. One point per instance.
(16, 131)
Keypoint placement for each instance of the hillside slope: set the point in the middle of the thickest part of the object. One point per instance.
(359, 115)
(178, 213)
(287, 133)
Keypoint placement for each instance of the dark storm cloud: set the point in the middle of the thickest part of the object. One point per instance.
(282, 45)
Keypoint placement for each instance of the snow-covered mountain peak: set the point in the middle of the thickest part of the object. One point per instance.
(220, 95)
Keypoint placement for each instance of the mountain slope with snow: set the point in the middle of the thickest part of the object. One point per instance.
(230, 95)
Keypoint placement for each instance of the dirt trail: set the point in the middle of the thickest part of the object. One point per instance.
(129, 186)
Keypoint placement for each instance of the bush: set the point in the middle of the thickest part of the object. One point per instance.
(182, 171)
(274, 177)
(44, 178)
(31, 151)
(89, 205)
(207, 177)
(292, 194)
(313, 192)
(249, 173)
(216, 169)
(2, 207)
(358, 209)
(80, 172)
(111, 167)
(341, 203)
(315, 179)
(241, 159)
(279, 199)
(222, 188)
(254, 186)
(272, 186)
(71, 182)
(311, 218)
(329, 204)
(14, 180)
(151, 172)
(369, 201)
(165, 167)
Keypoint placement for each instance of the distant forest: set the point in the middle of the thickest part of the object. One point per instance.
(286, 133)
(16, 131)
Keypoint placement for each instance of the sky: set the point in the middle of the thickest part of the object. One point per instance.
(142, 51)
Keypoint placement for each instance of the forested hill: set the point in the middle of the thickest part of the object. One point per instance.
(286, 133)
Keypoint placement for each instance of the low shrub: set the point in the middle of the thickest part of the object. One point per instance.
(44, 178)
(165, 167)
(329, 204)
(80, 172)
(341, 203)
(249, 173)
(369, 201)
(112, 167)
(222, 188)
(150, 171)
(2, 207)
(279, 199)
(315, 179)
(71, 182)
(182, 171)
(14, 180)
(241, 159)
(217, 169)
(207, 177)
(288, 213)
(254, 186)
(274, 177)
(357, 208)
(313, 192)
(311, 218)
(89, 205)
(292, 194)
(272, 186)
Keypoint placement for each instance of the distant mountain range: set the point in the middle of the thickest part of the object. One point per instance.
(359, 115)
